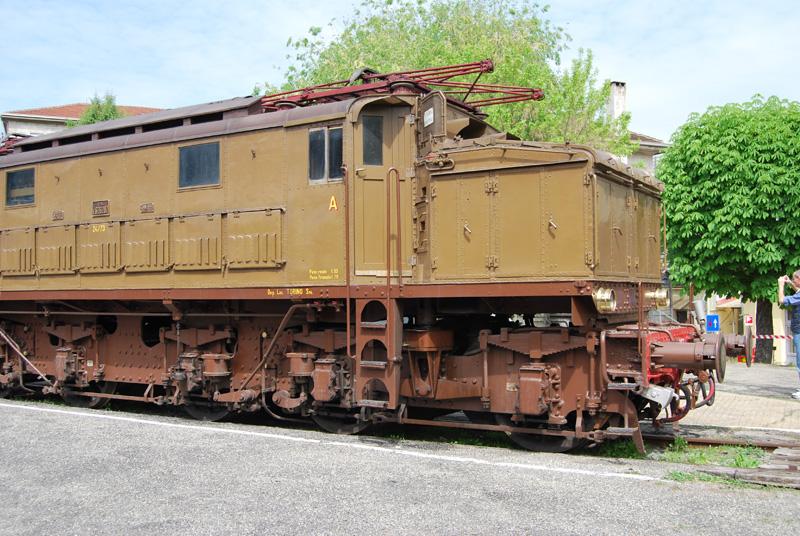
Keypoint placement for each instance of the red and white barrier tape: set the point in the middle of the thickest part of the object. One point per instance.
(772, 337)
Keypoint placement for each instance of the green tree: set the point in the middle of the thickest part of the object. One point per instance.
(732, 201)
(100, 109)
(399, 35)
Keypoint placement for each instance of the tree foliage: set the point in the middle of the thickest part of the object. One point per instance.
(100, 109)
(732, 198)
(400, 35)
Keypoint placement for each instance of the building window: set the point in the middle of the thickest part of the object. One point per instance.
(373, 140)
(19, 187)
(199, 165)
(324, 154)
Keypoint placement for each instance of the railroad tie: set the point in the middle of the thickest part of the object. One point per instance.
(781, 469)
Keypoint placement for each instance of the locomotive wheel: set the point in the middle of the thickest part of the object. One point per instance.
(92, 402)
(543, 443)
(345, 423)
(480, 417)
(206, 411)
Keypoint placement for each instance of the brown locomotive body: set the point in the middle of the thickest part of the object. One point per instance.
(385, 255)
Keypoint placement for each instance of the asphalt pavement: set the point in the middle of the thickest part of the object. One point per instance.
(66, 471)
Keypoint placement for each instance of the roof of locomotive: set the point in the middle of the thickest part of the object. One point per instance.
(247, 113)
(242, 105)
(602, 161)
(230, 116)
(179, 124)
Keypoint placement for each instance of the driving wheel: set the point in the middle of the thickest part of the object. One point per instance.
(73, 398)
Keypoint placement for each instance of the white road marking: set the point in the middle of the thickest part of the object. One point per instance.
(389, 450)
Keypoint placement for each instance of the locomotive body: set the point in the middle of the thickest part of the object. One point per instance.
(383, 256)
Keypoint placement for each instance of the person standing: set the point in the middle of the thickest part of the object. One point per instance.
(794, 301)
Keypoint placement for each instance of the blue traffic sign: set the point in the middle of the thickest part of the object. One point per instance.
(713, 322)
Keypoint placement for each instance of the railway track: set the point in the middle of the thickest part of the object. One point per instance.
(769, 446)
(781, 468)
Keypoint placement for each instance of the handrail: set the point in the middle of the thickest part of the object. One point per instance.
(399, 232)
(643, 337)
(604, 359)
(346, 174)
(389, 233)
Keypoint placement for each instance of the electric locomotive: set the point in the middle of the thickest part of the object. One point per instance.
(366, 251)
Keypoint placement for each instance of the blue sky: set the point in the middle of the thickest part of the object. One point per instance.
(677, 57)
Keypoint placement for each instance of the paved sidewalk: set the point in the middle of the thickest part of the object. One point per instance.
(747, 411)
(753, 403)
(772, 381)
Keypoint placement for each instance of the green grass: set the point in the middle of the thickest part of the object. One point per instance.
(680, 452)
(621, 448)
(726, 455)
(697, 476)
(41, 399)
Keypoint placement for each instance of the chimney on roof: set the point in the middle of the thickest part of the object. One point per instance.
(618, 104)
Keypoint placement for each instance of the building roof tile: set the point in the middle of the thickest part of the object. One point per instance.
(7, 144)
(74, 111)
(647, 139)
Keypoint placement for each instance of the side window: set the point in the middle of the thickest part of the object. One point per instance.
(19, 187)
(335, 153)
(324, 154)
(199, 165)
(373, 140)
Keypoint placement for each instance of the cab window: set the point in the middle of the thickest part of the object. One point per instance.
(199, 165)
(373, 140)
(19, 187)
(324, 154)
